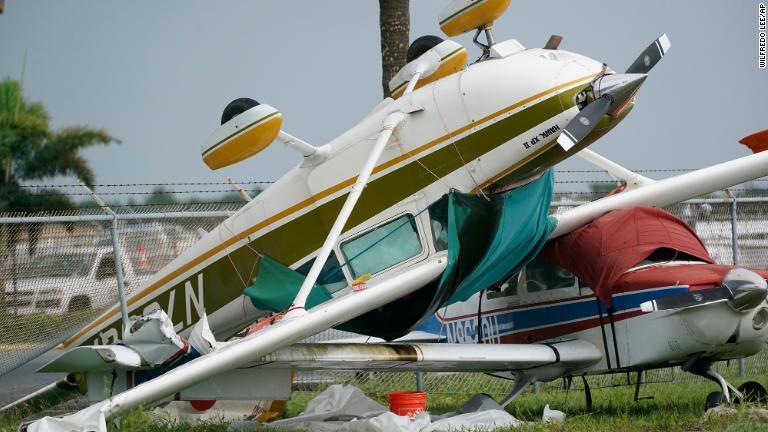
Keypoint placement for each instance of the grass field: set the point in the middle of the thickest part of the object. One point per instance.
(675, 407)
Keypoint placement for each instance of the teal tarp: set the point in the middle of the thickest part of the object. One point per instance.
(275, 287)
(520, 229)
(488, 241)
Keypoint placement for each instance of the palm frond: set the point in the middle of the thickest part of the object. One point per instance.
(30, 150)
(59, 155)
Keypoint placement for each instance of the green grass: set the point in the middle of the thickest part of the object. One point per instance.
(675, 407)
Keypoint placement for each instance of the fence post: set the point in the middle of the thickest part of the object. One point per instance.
(119, 273)
(419, 381)
(735, 252)
(117, 257)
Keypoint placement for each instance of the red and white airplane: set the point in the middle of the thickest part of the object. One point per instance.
(647, 295)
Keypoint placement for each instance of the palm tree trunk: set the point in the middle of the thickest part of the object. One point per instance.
(394, 23)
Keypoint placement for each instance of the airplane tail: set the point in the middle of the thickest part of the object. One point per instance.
(756, 142)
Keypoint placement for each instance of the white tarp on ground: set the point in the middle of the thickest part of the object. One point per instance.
(90, 419)
(347, 409)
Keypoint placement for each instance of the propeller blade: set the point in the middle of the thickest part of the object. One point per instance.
(688, 300)
(648, 58)
(584, 122)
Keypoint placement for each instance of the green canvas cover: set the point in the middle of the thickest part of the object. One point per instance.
(276, 285)
(488, 241)
(519, 228)
(491, 240)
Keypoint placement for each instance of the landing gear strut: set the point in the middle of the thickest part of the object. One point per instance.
(587, 393)
(703, 368)
(486, 47)
(640, 379)
(568, 381)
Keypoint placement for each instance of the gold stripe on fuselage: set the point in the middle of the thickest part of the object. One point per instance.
(314, 199)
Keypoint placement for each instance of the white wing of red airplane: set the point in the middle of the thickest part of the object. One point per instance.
(559, 357)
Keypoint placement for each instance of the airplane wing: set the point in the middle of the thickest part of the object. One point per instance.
(433, 357)
(559, 357)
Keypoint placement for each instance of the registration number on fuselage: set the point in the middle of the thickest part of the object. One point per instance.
(541, 137)
(466, 330)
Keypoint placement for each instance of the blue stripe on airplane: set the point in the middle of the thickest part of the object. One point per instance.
(558, 313)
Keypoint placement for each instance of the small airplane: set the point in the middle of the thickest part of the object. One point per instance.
(660, 301)
(354, 236)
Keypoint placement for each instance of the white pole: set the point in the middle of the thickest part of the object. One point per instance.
(668, 191)
(613, 169)
(299, 303)
(117, 256)
(297, 144)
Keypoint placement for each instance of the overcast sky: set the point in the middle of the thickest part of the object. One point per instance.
(157, 75)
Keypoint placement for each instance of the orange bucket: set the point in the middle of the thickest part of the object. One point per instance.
(407, 403)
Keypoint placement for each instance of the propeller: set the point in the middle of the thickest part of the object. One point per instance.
(650, 56)
(744, 289)
(582, 125)
(612, 92)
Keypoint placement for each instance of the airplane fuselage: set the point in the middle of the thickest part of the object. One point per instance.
(491, 123)
(628, 338)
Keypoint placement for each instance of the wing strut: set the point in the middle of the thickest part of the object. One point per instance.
(615, 170)
(390, 122)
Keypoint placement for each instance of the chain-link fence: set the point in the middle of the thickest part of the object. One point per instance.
(57, 271)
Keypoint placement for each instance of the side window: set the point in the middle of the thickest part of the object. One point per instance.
(438, 222)
(543, 275)
(383, 246)
(506, 289)
(331, 275)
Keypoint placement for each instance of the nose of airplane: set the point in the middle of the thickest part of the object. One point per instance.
(616, 91)
(619, 88)
(748, 289)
